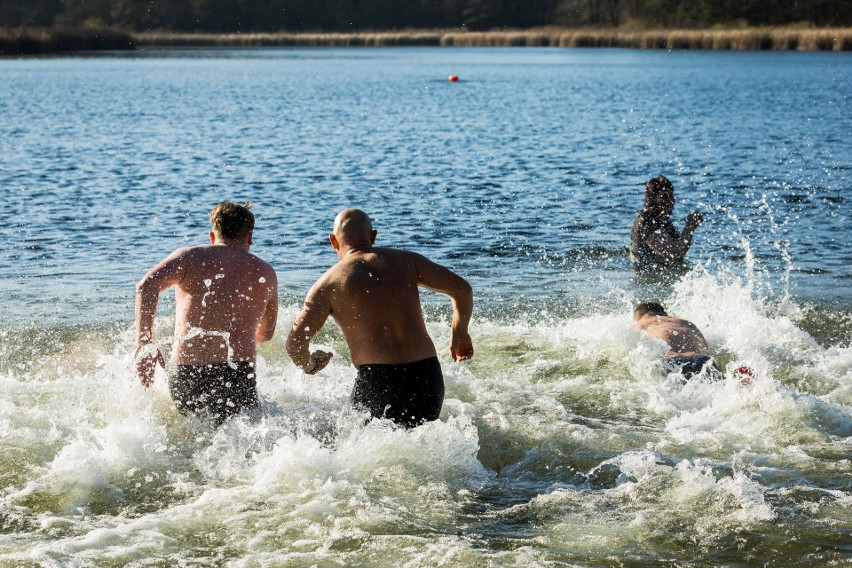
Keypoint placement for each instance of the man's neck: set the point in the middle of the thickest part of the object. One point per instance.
(355, 249)
(648, 319)
(232, 243)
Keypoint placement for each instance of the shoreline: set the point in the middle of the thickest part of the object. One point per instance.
(37, 41)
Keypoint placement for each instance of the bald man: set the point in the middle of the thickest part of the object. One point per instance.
(688, 353)
(372, 293)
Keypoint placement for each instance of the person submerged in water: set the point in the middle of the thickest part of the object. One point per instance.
(226, 302)
(655, 243)
(687, 352)
(372, 294)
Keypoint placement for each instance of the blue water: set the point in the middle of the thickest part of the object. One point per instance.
(559, 442)
(526, 174)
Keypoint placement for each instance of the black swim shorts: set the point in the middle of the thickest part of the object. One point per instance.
(219, 389)
(408, 394)
(692, 365)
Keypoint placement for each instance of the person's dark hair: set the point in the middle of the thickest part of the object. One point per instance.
(646, 308)
(656, 185)
(232, 220)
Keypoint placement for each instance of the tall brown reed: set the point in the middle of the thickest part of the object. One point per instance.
(35, 41)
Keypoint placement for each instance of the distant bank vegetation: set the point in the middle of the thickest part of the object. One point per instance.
(747, 39)
(273, 16)
(47, 26)
(26, 41)
(38, 41)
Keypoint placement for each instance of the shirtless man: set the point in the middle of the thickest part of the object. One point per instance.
(687, 346)
(226, 302)
(655, 243)
(372, 293)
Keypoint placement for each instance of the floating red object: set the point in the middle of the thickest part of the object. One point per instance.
(453, 78)
(745, 374)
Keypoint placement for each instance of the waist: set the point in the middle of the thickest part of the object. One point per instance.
(428, 362)
(214, 350)
(684, 355)
(245, 367)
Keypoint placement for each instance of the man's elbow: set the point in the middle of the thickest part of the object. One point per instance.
(152, 283)
(293, 345)
(465, 292)
(147, 289)
(262, 336)
(141, 286)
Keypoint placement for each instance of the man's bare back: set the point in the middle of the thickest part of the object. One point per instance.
(372, 293)
(374, 298)
(682, 337)
(221, 294)
(226, 301)
(688, 355)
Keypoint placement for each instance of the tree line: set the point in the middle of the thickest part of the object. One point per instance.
(229, 16)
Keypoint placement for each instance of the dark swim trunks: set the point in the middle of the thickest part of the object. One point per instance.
(217, 389)
(408, 394)
(692, 365)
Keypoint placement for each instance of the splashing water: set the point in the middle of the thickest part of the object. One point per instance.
(561, 442)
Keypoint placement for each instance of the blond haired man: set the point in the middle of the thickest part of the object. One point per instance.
(226, 302)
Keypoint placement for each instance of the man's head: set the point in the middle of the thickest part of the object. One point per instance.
(648, 308)
(231, 221)
(352, 229)
(659, 196)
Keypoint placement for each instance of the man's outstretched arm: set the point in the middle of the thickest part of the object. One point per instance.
(676, 249)
(309, 321)
(444, 280)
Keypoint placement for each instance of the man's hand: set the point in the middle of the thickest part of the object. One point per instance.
(461, 346)
(695, 219)
(319, 360)
(147, 356)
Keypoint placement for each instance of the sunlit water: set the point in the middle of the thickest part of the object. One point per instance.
(561, 442)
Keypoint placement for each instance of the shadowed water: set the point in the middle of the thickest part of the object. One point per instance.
(561, 442)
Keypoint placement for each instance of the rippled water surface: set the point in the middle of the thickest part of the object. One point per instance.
(561, 442)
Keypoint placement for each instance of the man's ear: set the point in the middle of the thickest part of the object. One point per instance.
(334, 244)
(250, 235)
(212, 238)
(373, 236)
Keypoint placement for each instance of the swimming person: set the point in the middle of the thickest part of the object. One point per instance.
(226, 302)
(688, 352)
(372, 293)
(655, 243)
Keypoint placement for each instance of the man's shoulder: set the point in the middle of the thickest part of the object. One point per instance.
(378, 260)
(189, 252)
(645, 219)
(395, 252)
(637, 223)
(260, 262)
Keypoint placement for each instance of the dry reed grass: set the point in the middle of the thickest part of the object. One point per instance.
(36, 41)
(755, 39)
(374, 39)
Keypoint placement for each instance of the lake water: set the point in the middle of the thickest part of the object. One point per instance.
(561, 443)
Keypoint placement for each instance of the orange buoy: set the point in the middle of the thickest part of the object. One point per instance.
(453, 78)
